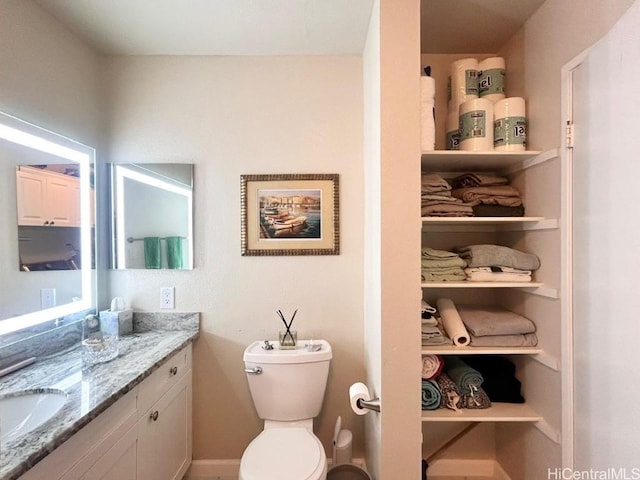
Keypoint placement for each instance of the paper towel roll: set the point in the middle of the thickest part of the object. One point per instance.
(452, 128)
(464, 81)
(358, 391)
(427, 113)
(476, 125)
(491, 79)
(452, 322)
(510, 125)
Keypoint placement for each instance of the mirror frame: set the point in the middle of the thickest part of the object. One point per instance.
(15, 130)
(135, 171)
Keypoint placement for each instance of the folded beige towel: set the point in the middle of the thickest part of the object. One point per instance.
(526, 340)
(432, 182)
(492, 320)
(430, 263)
(428, 252)
(447, 209)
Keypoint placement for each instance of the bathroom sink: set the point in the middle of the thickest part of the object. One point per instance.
(24, 411)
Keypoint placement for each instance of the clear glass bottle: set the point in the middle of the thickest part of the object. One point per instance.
(99, 338)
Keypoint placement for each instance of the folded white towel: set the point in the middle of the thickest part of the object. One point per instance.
(486, 274)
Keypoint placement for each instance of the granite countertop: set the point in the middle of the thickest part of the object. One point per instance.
(90, 390)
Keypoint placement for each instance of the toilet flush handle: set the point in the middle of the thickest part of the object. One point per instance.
(254, 370)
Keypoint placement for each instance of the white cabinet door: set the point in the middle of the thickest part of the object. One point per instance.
(164, 435)
(47, 199)
(119, 463)
(31, 189)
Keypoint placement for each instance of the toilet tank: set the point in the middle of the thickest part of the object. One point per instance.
(292, 383)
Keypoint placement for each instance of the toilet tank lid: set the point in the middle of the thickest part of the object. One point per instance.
(255, 353)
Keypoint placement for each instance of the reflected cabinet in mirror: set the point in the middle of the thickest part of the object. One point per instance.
(46, 219)
(152, 215)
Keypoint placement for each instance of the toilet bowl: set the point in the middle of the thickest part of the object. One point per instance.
(287, 387)
(290, 453)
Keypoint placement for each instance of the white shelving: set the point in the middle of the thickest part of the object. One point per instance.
(450, 164)
(497, 412)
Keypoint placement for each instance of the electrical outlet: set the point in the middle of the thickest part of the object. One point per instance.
(47, 297)
(167, 298)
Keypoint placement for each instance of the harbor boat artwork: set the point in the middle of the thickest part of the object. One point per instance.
(290, 214)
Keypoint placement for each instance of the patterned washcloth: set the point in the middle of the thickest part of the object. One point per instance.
(466, 378)
(451, 397)
(431, 395)
(478, 398)
(431, 366)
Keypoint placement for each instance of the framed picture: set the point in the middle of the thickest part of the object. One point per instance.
(295, 214)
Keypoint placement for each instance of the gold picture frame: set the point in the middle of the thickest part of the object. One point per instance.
(290, 214)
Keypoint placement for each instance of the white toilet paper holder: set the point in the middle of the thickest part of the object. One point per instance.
(373, 404)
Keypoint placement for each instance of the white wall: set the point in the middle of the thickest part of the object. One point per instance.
(249, 115)
(50, 78)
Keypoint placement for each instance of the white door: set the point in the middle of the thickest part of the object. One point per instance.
(606, 257)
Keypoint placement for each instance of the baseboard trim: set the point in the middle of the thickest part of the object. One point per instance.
(229, 468)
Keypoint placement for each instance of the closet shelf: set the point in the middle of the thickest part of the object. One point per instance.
(474, 220)
(498, 412)
(487, 224)
(462, 161)
(456, 350)
(466, 284)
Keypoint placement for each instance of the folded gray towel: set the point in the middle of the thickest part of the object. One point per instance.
(498, 256)
(492, 320)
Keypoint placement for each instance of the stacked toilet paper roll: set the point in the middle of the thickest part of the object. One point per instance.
(491, 73)
(476, 125)
(510, 125)
(452, 322)
(464, 81)
(452, 128)
(427, 113)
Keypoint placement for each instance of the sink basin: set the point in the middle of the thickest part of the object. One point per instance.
(21, 412)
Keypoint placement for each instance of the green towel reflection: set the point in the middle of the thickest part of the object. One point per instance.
(152, 257)
(174, 252)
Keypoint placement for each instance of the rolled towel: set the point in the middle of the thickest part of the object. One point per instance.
(498, 255)
(451, 397)
(431, 395)
(452, 322)
(431, 366)
(478, 398)
(466, 378)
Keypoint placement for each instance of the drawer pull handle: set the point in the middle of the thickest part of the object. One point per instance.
(173, 370)
(154, 415)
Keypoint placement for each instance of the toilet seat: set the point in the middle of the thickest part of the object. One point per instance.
(284, 454)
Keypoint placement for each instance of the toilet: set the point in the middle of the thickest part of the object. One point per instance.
(287, 387)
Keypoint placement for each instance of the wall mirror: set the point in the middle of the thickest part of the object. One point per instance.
(152, 216)
(47, 237)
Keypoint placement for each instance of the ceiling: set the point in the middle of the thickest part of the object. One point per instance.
(278, 27)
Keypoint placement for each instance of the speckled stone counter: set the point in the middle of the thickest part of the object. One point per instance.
(90, 391)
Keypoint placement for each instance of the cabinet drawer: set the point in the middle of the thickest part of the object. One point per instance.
(160, 381)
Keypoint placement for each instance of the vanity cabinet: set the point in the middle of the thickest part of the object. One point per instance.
(47, 199)
(145, 435)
